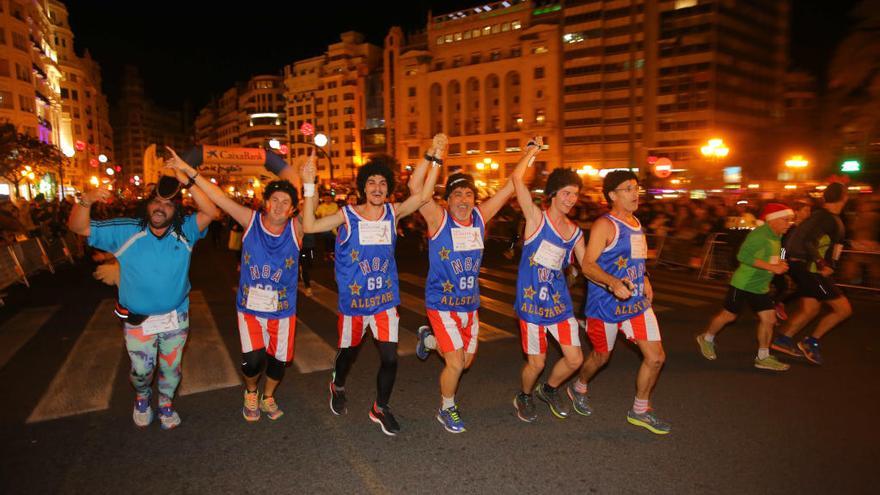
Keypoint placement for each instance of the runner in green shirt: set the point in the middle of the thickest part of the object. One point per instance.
(760, 257)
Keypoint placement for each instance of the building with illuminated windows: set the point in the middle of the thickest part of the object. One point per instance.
(85, 133)
(30, 79)
(488, 77)
(339, 93)
(660, 77)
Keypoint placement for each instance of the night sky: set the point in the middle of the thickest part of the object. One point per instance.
(193, 50)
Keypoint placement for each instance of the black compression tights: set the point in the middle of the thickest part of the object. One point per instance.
(385, 377)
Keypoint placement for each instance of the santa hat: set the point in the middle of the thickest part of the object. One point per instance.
(772, 211)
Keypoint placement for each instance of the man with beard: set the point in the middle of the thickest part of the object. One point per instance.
(154, 253)
(266, 300)
(366, 271)
(452, 290)
(543, 302)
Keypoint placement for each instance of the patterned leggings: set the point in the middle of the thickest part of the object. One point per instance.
(143, 350)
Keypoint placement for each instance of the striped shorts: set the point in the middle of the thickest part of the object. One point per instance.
(275, 335)
(455, 330)
(353, 328)
(534, 337)
(643, 327)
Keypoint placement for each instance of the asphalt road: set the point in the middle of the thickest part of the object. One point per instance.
(66, 422)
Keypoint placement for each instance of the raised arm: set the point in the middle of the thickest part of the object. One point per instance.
(600, 235)
(210, 191)
(492, 205)
(531, 212)
(311, 224)
(80, 216)
(415, 201)
(416, 183)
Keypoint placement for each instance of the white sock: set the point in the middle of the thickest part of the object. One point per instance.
(763, 353)
(447, 402)
(708, 337)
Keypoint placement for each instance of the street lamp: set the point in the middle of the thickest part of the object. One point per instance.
(797, 161)
(715, 149)
(319, 142)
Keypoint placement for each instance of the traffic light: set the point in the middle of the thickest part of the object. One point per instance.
(850, 166)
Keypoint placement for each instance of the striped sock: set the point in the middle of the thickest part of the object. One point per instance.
(580, 387)
(640, 406)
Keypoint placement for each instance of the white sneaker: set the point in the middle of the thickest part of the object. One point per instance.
(143, 413)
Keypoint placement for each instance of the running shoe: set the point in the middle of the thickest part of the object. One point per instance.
(270, 407)
(579, 401)
(552, 398)
(648, 421)
(426, 342)
(771, 363)
(168, 418)
(143, 413)
(785, 345)
(337, 400)
(810, 347)
(451, 419)
(706, 348)
(250, 411)
(780, 311)
(383, 417)
(525, 407)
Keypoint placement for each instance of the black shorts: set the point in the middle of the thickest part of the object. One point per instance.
(735, 299)
(810, 284)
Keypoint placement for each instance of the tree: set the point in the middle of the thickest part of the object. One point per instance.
(18, 150)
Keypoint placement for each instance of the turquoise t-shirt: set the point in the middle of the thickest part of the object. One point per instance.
(154, 271)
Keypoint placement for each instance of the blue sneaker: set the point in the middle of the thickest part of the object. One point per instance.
(426, 342)
(142, 413)
(451, 420)
(810, 347)
(168, 418)
(785, 345)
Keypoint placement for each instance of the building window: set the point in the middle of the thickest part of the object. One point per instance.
(515, 25)
(475, 58)
(495, 55)
(411, 92)
(6, 100)
(539, 94)
(3, 35)
(439, 40)
(412, 152)
(539, 73)
(492, 146)
(540, 115)
(4, 67)
(413, 129)
(487, 30)
(26, 104)
(475, 33)
(505, 27)
(74, 95)
(65, 93)
(457, 36)
(448, 38)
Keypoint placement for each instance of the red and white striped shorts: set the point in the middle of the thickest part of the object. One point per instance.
(643, 327)
(455, 330)
(352, 328)
(534, 337)
(275, 335)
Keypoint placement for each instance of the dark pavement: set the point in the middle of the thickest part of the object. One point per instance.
(735, 429)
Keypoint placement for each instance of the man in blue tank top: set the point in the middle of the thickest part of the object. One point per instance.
(366, 271)
(543, 302)
(452, 291)
(619, 298)
(266, 299)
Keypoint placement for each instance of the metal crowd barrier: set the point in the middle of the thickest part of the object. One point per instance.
(20, 260)
(679, 252)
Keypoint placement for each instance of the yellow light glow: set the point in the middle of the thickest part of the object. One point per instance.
(27, 167)
(231, 189)
(479, 183)
(481, 165)
(494, 166)
(581, 171)
(716, 142)
(721, 152)
(796, 161)
(791, 186)
(94, 181)
(256, 183)
(675, 181)
(754, 186)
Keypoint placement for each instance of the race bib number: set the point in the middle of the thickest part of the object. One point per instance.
(838, 249)
(161, 323)
(466, 239)
(374, 233)
(265, 300)
(550, 255)
(638, 247)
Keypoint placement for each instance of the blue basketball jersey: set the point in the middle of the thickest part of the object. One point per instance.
(624, 258)
(366, 272)
(542, 296)
(269, 269)
(455, 253)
